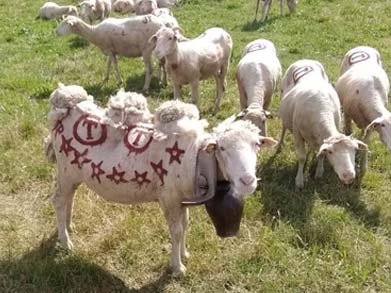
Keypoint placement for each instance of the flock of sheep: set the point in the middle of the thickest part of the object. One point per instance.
(128, 155)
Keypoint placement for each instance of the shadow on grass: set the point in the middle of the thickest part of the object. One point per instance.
(42, 93)
(135, 83)
(49, 268)
(254, 25)
(78, 43)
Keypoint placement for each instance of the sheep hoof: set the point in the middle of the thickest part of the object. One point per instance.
(178, 272)
(66, 243)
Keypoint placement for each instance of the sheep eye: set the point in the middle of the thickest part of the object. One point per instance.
(329, 152)
(222, 148)
(170, 38)
(382, 125)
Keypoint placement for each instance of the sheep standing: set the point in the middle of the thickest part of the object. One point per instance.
(127, 164)
(51, 10)
(91, 10)
(145, 7)
(267, 4)
(166, 3)
(125, 37)
(257, 75)
(123, 6)
(363, 89)
(310, 109)
(194, 60)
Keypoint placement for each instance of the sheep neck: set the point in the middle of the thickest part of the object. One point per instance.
(86, 31)
(326, 127)
(174, 58)
(376, 110)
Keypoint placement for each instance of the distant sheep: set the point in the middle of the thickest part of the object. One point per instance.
(363, 89)
(189, 62)
(132, 164)
(91, 10)
(123, 6)
(267, 4)
(125, 37)
(51, 10)
(257, 75)
(310, 109)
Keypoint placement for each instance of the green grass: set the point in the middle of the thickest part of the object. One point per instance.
(328, 238)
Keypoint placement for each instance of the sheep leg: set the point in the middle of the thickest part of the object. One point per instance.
(242, 94)
(148, 70)
(282, 6)
(185, 220)
(194, 91)
(162, 72)
(174, 214)
(265, 9)
(291, 6)
(117, 73)
(281, 142)
(63, 203)
(319, 167)
(347, 124)
(177, 91)
(108, 67)
(301, 155)
(219, 93)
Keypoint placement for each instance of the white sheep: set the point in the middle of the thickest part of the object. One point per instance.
(189, 62)
(310, 109)
(257, 75)
(123, 6)
(128, 165)
(125, 37)
(363, 89)
(51, 10)
(145, 7)
(166, 3)
(267, 4)
(91, 10)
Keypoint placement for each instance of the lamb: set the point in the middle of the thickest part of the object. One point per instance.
(257, 75)
(310, 109)
(51, 10)
(363, 88)
(123, 6)
(129, 164)
(91, 10)
(125, 37)
(266, 8)
(194, 60)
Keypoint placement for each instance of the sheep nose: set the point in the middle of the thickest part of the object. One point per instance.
(247, 179)
(348, 177)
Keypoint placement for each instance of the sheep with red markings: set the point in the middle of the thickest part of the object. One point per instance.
(173, 162)
(310, 109)
(197, 59)
(257, 76)
(363, 89)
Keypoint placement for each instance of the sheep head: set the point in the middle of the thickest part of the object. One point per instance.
(165, 42)
(382, 125)
(65, 26)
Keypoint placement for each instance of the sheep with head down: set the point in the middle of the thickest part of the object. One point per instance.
(174, 162)
(310, 109)
(363, 89)
(51, 10)
(257, 76)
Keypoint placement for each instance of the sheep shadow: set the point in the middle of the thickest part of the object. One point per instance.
(41, 93)
(49, 268)
(78, 43)
(135, 83)
(254, 25)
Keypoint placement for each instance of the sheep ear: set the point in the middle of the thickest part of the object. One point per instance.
(361, 146)
(268, 114)
(267, 142)
(152, 40)
(371, 127)
(240, 115)
(60, 84)
(210, 146)
(323, 149)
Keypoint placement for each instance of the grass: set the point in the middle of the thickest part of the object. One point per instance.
(327, 238)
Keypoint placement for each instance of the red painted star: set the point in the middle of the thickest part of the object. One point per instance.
(66, 145)
(175, 153)
(78, 156)
(159, 170)
(58, 128)
(140, 178)
(97, 171)
(117, 177)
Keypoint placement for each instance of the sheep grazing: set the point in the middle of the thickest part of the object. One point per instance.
(125, 37)
(363, 89)
(257, 75)
(166, 3)
(310, 109)
(128, 165)
(194, 60)
(145, 7)
(51, 10)
(267, 4)
(123, 6)
(91, 10)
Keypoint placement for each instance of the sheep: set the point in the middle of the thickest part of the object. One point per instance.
(51, 10)
(266, 8)
(194, 60)
(310, 109)
(166, 3)
(128, 165)
(145, 7)
(126, 37)
(123, 6)
(257, 75)
(91, 10)
(363, 88)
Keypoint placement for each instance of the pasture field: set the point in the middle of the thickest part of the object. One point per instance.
(327, 238)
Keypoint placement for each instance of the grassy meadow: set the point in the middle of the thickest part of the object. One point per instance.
(327, 238)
